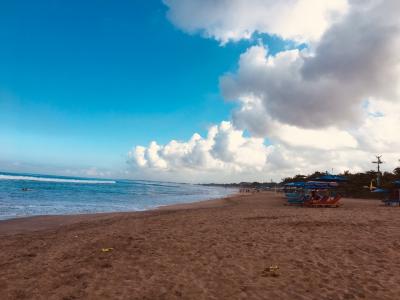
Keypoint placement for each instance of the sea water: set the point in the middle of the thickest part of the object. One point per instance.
(31, 194)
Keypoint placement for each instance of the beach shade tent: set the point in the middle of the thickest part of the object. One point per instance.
(294, 192)
(298, 193)
(327, 199)
(307, 194)
(295, 184)
(293, 187)
(331, 178)
(318, 185)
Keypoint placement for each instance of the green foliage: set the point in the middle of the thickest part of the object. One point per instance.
(357, 185)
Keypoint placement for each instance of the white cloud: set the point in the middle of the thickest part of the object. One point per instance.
(225, 20)
(302, 90)
(380, 130)
(328, 139)
(298, 150)
(333, 105)
(226, 155)
(225, 149)
(92, 172)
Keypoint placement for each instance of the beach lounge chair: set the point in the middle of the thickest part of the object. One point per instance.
(334, 202)
(326, 202)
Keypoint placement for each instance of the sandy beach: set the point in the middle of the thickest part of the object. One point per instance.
(220, 249)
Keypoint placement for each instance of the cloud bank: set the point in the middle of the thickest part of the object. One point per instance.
(332, 105)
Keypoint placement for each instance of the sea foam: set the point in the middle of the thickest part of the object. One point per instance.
(24, 195)
(49, 179)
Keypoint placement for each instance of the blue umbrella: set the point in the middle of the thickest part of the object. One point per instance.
(380, 191)
(332, 178)
(320, 185)
(295, 184)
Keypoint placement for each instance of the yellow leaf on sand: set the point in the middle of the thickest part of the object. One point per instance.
(106, 249)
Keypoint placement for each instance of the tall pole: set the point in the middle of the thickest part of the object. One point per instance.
(378, 175)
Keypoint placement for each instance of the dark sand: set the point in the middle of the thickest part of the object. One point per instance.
(209, 250)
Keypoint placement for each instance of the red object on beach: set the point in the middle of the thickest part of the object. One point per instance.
(330, 202)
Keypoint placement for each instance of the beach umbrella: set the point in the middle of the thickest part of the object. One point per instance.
(295, 184)
(332, 178)
(380, 191)
(320, 185)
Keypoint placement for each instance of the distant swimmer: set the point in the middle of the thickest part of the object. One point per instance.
(25, 189)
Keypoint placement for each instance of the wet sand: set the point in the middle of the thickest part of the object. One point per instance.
(219, 249)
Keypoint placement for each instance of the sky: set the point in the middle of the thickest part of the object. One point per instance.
(198, 90)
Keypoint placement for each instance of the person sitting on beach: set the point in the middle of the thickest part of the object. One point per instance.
(313, 195)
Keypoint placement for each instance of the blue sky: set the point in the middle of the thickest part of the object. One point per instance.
(87, 86)
(82, 82)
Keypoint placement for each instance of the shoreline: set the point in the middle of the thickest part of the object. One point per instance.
(26, 224)
(216, 249)
(29, 224)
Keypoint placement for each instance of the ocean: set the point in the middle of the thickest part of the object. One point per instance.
(24, 195)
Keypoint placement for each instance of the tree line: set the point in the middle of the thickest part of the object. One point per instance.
(357, 184)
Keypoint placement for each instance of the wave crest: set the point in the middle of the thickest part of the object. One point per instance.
(49, 179)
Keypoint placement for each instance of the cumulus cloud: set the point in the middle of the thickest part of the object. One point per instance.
(225, 20)
(92, 172)
(380, 130)
(355, 60)
(225, 154)
(299, 150)
(224, 149)
(334, 104)
(316, 90)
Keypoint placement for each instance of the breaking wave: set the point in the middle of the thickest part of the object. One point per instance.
(50, 179)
